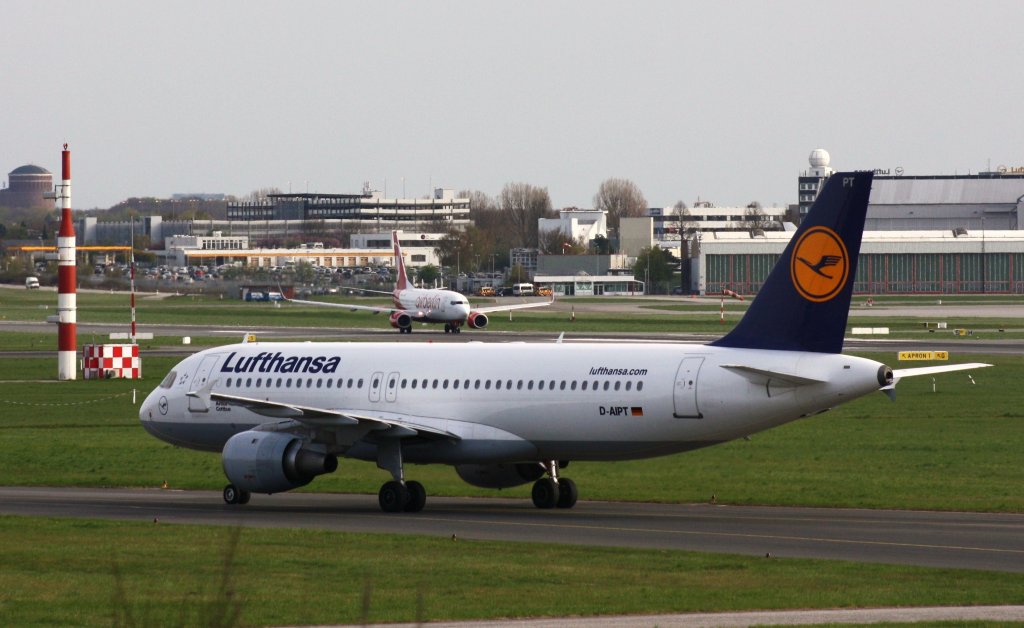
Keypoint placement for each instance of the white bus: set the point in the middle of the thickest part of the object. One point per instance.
(522, 290)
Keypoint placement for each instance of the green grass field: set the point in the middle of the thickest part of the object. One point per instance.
(954, 449)
(651, 316)
(874, 453)
(102, 573)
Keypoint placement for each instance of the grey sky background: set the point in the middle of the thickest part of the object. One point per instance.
(721, 101)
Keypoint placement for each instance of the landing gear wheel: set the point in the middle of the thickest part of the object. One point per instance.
(234, 495)
(456, 330)
(567, 493)
(393, 497)
(447, 328)
(545, 493)
(417, 496)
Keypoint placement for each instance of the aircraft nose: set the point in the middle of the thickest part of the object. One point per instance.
(150, 408)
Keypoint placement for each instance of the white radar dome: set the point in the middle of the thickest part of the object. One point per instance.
(819, 158)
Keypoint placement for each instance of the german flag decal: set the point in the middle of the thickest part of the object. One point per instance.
(636, 411)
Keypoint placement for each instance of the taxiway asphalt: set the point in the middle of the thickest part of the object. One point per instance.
(985, 541)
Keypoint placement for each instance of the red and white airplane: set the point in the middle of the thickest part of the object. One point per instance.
(412, 304)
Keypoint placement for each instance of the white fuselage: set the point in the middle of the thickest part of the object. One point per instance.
(514, 401)
(432, 306)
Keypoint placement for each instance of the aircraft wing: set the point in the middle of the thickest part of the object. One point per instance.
(325, 418)
(376, 309)
(369, 290)
(516, 306)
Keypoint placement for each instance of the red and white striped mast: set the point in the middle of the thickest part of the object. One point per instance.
(131, 262)
(67, 328)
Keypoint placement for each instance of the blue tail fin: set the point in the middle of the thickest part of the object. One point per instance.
(804, 303)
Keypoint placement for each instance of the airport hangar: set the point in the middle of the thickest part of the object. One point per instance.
(955, 261)
(939, 234)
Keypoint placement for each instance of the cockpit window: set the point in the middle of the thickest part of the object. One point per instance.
(169, 380)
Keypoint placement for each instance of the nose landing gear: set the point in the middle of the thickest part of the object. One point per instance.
(234, 495)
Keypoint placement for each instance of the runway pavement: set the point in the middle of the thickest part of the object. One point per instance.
(992, 542)
(993, 345)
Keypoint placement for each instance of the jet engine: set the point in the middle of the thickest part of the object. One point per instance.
(477, 320)
(273, 462)
(499, 475)
(401, 320)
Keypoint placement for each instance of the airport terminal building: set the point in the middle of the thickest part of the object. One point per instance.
(366, 211)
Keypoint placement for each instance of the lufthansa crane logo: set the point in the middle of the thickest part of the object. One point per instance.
(819, 265)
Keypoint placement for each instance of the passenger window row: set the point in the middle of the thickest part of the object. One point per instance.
(518, 384)
(443, 384)
(288, 382)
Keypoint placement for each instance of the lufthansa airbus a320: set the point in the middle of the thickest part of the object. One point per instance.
(506, 414)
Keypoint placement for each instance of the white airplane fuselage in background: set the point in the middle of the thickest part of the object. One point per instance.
(511, 413)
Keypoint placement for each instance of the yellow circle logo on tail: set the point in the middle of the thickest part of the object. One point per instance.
(819, 266)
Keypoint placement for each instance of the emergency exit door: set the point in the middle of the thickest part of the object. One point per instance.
(684, 394)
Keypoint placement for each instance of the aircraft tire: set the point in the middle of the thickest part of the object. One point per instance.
(545, 493)
(417, 496)
(567, 493)
(233, 495)
(393, 497)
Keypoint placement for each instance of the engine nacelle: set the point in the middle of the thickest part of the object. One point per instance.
(401, 320)
(477, 320)
(499, 475)
(273, 462)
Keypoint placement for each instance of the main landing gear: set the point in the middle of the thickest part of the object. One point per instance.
(553, 491)
(452, 328)
(405, 330)
(398, 495)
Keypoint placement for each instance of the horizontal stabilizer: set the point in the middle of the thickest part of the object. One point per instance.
(762, 375)
(897, 374)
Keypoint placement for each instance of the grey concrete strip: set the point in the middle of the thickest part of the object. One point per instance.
(1002, 614)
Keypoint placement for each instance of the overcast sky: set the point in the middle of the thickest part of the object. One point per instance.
(721, 101)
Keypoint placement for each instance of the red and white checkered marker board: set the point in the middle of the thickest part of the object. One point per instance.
(108, 361)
